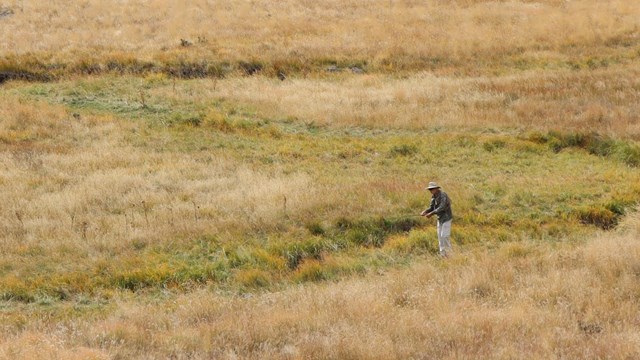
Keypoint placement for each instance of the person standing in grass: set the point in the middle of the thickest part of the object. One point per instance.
(441, 207)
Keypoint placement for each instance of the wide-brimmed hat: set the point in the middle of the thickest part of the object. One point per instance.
(432, 185)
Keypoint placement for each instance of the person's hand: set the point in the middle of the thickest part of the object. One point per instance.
(429, 215)
(424, 213)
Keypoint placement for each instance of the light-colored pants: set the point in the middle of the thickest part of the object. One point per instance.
(444, 233)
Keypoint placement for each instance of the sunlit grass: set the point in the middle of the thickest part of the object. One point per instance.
(142, 201)
(240, 180)
(202, 38)
(481, 301)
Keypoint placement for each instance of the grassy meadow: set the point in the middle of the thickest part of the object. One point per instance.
(242, 179)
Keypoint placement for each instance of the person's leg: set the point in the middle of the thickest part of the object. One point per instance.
(441, 240)
(444, 237)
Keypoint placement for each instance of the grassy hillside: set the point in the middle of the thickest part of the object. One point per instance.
(252, 191)
(163, 189)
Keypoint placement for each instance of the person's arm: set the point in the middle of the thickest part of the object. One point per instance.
(429, 210)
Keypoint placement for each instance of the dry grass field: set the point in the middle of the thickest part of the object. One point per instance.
(512, 301)
(240, 179)
(466, 36)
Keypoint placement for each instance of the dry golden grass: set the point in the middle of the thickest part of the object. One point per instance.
(68, 178)
(604, 101)
(141, 204)
(386, 34)
(516, 300)
(152, 218)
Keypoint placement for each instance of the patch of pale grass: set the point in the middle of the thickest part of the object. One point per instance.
(32, 345)
(598, 101)
(76, 180)
(382, 31)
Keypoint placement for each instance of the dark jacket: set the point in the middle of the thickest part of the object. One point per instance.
(441, 206)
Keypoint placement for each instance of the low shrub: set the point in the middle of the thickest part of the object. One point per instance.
(253, 278)
(403, 150)
(598, 216)
(315, 228)
(494, 144)
(187, 70)
(628, 153)
(203, 272)
(240, 256)
(313, 248)
(311, 270)
(14, 289)
(186, 119)
(251, 67)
